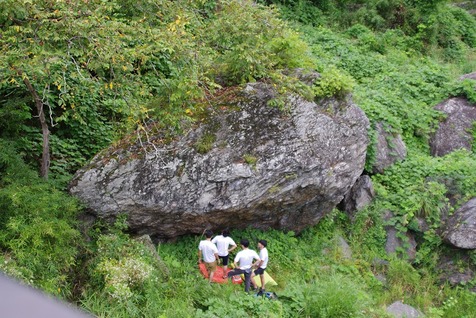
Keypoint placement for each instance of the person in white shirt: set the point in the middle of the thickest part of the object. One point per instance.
(223, 243)
(209, 252)
(263, 255)
(244, 262)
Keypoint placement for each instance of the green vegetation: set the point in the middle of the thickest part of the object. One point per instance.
(38, 237)
(315, 279)
(205, 143)
(333, 83)
(78, 76)
(250, 160)
(98, 71)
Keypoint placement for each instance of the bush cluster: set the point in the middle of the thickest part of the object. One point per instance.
(39, 239)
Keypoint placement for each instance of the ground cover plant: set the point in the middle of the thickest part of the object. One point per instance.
(314, 279)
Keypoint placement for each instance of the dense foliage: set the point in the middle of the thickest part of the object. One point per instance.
(101, 70)
(38, 234)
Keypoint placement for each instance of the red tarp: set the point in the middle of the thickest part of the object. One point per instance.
(218, 276)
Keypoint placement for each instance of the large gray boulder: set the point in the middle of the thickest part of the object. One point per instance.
(264, 167)
(460, 228)
(455, 131)
(389, 149)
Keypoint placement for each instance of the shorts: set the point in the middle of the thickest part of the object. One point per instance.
(224, 259)
(211, 267)
(260, 271)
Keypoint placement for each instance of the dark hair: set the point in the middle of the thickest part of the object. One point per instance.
(263, 242)
(208, 233)
(225, 233)
(245, 242)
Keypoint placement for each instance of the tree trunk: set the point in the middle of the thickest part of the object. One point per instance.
(45, 158)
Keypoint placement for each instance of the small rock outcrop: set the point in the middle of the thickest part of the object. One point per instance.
(262, 167)
(394, 243)
(147, 242)
(460, 228)
(471, 76)
(389, 149)
(455, 131)
(360, 195)
(344, 248)
(455, 273)
(401, 310)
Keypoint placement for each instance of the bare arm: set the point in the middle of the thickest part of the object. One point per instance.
(232, 248)
(258, 263)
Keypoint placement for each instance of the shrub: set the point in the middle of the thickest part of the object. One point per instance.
(465, 88)
(335, 296)
(333, 82)
(123, 276)
(419, 185)
(38, 235)
(250, 42)
(241, 305)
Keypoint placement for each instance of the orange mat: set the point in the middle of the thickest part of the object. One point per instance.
(218, 276)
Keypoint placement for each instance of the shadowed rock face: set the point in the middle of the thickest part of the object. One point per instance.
(455, 268)
(267, 169)
(360, 195)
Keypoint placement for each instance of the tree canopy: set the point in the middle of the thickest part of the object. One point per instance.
(98, 69)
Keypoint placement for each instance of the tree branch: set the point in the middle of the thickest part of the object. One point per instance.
(45, 158)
